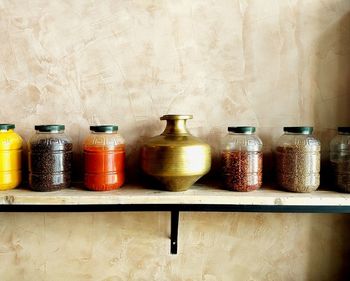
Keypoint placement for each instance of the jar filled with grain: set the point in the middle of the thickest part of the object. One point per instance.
(340, 159)
(241, 159)
(50, 157)
(298, 160)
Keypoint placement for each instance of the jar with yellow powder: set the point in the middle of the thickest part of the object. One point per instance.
(10, 157)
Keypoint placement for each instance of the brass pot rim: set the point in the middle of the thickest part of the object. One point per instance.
(176, 117)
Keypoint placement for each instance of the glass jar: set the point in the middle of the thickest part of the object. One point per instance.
(298, 160)
(104, 158)
(241, 159)
(10, 157)
(340, 159)
(50, 158)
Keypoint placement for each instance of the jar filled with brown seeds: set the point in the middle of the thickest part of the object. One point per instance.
(241, 159)
(298, 160)
(340, 159)
(50, 157)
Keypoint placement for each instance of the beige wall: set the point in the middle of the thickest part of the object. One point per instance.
(267, 63)
(135, 246)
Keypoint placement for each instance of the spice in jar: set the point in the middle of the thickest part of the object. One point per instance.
(242, 170)
(241, 159)
(298, 160)
(10, 157)
(340, 159)
(104, 157)
(50, 157)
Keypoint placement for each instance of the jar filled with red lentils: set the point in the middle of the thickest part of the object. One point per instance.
(241, 159)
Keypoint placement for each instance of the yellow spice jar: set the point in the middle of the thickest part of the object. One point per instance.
(10, 157)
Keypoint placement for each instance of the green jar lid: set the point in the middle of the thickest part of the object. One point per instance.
(104, 128)
(49, 128)
(344, 130)
(7, 126)
(299, 130)
(242, 130)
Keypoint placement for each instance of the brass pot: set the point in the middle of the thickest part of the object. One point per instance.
(176, 158)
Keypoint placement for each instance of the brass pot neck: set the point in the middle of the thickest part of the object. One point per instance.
(176, 127)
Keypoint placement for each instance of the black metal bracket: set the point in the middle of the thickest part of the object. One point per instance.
(174, 232)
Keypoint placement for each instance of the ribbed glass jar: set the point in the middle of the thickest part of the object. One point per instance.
(10, 157)
(104, 158)
(340, 159)
(50, 158)
(241, 159)
(298, 160)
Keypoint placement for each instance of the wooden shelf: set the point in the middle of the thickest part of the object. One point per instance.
(196, 195)
(208, 198)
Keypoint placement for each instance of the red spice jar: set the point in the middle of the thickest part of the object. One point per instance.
(104, 158)
(241, 159)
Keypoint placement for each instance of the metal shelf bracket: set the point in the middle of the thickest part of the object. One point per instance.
(174, 232)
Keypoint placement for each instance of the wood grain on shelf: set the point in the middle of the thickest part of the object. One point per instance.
(198, 194)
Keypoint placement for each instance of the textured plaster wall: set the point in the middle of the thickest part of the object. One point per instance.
(266, 63)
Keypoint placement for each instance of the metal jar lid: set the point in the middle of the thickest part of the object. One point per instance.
(104, 128)
(7, 126)
(344, 130)
(242, 129)
(299, 130)
(49, 128)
